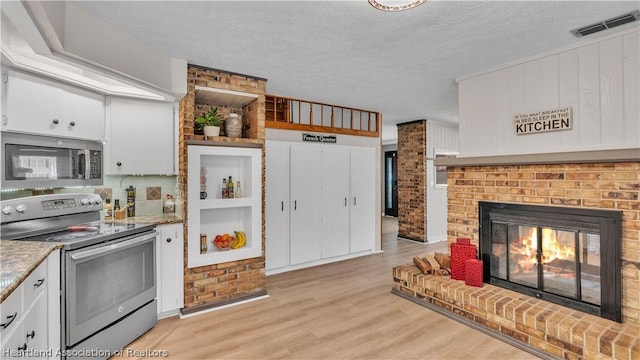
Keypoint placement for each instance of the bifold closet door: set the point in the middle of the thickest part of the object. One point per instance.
(363, 188)
(335, 201)
(305, 203)
(277, 205)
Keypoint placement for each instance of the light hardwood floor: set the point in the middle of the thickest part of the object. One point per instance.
(342, 310)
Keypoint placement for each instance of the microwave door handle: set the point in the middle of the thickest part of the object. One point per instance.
(82, 164)
(87, 164)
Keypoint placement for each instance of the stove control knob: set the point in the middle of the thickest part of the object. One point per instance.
(7, 210)
(92, 201)
(98, 201)
(21, 208)
(84, 201)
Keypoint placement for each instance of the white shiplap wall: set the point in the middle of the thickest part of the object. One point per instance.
(599, 80)
(441, 137)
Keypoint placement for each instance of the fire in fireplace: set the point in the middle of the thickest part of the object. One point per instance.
(568, 256)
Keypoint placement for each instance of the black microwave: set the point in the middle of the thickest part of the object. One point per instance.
(36, 161)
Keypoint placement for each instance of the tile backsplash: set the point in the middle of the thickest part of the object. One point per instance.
(150, 190)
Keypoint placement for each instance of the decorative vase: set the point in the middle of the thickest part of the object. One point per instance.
(234, 126)
(211, 131)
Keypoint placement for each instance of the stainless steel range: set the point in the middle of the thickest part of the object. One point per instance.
(108, 280)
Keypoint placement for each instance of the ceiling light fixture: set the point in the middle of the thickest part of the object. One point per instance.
(395, 5)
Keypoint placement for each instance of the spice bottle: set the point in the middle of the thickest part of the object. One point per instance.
(108, 211)
(116, 204)
(131, 201)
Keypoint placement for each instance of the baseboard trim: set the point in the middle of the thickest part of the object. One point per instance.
(511, 341)
(203, 309)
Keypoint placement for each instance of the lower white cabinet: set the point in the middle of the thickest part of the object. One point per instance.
(141, 136)
(320, 204)
(30, 316)
(170, 269)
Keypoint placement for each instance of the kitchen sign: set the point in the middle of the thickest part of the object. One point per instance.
(320, 138)
(543, 121)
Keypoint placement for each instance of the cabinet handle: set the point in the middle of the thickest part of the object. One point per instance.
(282, 206)
(345, 201)
(56, 121)
(295, 204)
(119, 163)
(354, 201)
(10, 319)
(31, 335)
(23, 347)
(168, 240)
(39, 283)
(73, 123)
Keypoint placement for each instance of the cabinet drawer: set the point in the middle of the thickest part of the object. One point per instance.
(11, 312)
(35, 284)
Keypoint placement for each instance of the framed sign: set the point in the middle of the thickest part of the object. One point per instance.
(332, 139)
(543, 121)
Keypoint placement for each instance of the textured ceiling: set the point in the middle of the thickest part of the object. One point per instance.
(402, 64)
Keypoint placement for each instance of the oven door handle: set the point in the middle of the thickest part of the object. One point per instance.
(109, 248)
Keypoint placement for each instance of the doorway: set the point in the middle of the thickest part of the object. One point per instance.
(391, 183)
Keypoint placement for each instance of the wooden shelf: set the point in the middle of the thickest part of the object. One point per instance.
(230, 98)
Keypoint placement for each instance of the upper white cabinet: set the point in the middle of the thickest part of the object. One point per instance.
(170, 269)
(42, 106)
(141, 137)
(320, 204)
(211, 215)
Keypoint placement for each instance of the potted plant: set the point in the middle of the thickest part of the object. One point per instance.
(210, 122)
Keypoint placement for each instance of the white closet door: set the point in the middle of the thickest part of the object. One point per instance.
(335, 201)
(362, 199)
(277, 204)
(305, 202)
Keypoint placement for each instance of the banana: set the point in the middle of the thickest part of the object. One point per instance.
(242, 239)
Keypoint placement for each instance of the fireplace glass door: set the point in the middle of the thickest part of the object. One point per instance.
(560, 261)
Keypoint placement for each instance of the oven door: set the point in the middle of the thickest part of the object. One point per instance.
(106, 282)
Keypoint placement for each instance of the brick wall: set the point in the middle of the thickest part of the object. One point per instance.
(219, 283)
(412, 180)
(614, 186)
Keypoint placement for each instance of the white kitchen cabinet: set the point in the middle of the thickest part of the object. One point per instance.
(31, 314)
(320, 204)
(362, 201)
(277, 205)
(170, 269)
(335, 201)
(42, 106)
(305, 204)
(141, 137)
(210, 214)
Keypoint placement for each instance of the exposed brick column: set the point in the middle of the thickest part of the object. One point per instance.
(412, 180)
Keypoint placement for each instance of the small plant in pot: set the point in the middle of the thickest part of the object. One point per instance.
(210, 122)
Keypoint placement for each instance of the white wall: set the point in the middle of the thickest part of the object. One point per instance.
(441, 137)
(599, 79)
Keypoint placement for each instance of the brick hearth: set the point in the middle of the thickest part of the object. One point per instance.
(553, 329)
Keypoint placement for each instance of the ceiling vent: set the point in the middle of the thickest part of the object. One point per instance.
(607, 24)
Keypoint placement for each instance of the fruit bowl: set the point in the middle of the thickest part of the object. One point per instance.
(223, 242)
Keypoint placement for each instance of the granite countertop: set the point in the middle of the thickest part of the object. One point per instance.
(18, 259)
(158, 219)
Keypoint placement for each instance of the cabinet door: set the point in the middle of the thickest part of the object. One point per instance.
(277, 204)
(305, 204)
(335, 201)
(34, 105)
(34, 325)
(84, 114)
(141, 137)
(170, 269)
(363, 165)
